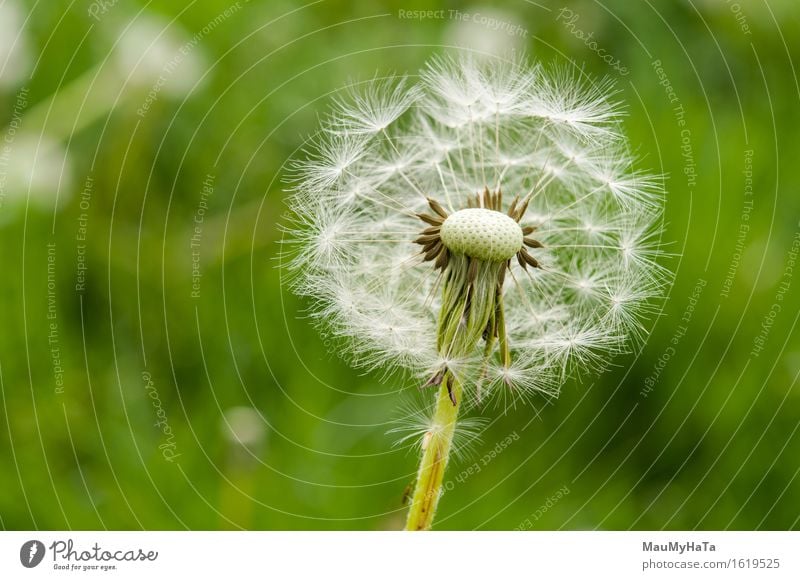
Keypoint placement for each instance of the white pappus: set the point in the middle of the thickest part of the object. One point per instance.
(554, 269)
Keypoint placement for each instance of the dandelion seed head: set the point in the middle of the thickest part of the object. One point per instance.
(500, 178)
(482, 233)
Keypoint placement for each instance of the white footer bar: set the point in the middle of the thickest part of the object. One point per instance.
(406, 556)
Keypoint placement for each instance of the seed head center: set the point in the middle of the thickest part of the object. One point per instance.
(484, 234)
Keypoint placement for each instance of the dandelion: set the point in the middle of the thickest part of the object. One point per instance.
(483, 229)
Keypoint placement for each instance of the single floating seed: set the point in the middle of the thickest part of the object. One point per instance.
(426, 239)
(435, 206)
(433, 252)
(429, 219)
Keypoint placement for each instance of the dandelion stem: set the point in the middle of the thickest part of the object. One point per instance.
(435, 454)
(470, 296)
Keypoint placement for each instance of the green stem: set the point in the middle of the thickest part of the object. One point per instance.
(468, 311)
(437, 445)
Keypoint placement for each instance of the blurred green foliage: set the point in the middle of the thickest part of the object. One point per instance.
(713, 444)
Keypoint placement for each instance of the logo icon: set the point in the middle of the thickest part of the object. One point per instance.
(31, 553)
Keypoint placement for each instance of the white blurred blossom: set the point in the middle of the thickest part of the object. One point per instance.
(15, 55)
(486, 30)
(39, 169)
(153, 52)
(243, 426)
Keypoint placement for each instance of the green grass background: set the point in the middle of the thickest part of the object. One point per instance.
(714, 445)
